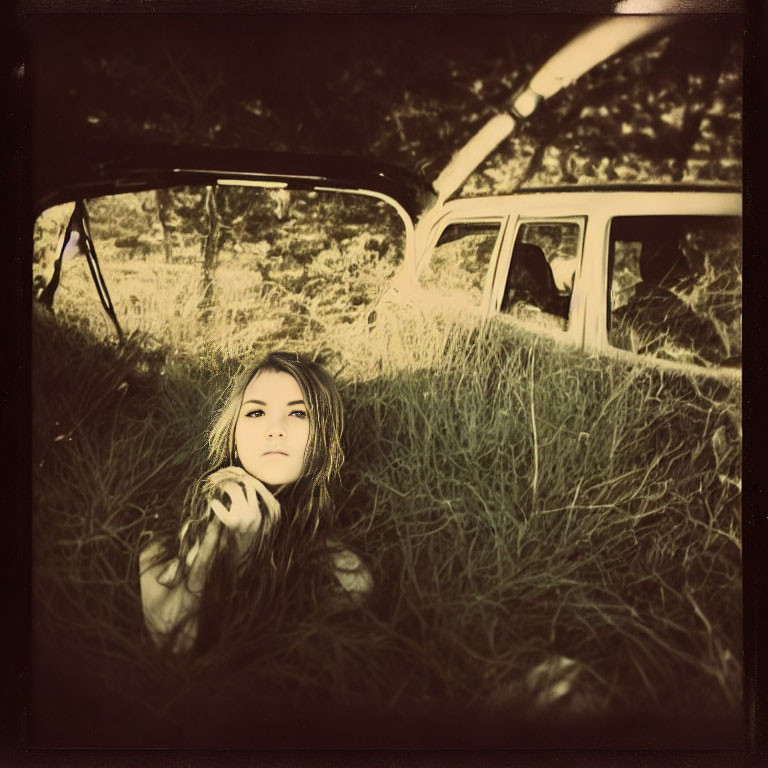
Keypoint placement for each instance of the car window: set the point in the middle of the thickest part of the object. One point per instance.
(458, 264)
(238, 254)
(541, 273)
(675, 288)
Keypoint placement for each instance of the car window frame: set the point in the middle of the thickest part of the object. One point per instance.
(505, 260)
(615, 351)
(436, 233)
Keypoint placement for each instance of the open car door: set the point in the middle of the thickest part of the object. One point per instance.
(224, 198)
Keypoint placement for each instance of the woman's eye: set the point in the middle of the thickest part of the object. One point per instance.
(254, 413)
(299, 413)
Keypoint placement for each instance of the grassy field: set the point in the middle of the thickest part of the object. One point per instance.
(555, 538)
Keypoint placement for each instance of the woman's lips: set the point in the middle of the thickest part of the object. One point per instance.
(275, 453)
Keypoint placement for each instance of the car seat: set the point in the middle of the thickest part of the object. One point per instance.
(531, 280)
(663, 265)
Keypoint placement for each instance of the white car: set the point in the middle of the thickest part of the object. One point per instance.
(649, 270)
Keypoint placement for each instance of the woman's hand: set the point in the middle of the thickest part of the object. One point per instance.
(170, 602)
(252, 511)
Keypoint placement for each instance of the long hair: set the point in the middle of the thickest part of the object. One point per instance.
(305, 505)
(310, 494)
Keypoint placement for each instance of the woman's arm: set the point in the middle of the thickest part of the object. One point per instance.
(169, 601)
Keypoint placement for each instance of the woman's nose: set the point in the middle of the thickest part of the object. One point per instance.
(276, 428)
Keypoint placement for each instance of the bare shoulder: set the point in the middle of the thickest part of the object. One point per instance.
(154, 581)
(165, 601)
(152, 570)
(147, 555)
(351, 572)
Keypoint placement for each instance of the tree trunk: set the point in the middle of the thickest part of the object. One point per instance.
(164, 212)
(283, 202)
(209, 250)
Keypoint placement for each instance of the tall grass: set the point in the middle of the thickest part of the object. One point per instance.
(524, 510)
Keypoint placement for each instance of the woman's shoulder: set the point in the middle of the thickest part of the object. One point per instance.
(349, 569)
(156, 566)
(168, 606)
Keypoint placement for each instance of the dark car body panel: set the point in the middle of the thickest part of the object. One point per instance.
(105, 170)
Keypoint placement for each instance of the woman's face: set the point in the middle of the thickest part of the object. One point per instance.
(272, 428)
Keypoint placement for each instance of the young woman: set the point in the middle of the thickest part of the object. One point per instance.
(260, 517)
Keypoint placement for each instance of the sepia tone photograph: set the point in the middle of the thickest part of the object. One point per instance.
(386, 379)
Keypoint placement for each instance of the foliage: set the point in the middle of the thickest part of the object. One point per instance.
(665, 110)
(408, 89)
(277, 280)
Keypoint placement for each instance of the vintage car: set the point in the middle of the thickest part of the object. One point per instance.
(646, 270)
(650, 270)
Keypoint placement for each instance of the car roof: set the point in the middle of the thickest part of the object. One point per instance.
(613, 199)
(633, 187)
(109, 169)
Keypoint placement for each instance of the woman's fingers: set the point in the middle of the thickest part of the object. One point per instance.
(261, 493)
(251, 500)
(243, 514)
(235, 492)
(245, 507)
(227, 516)
(250, 497)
